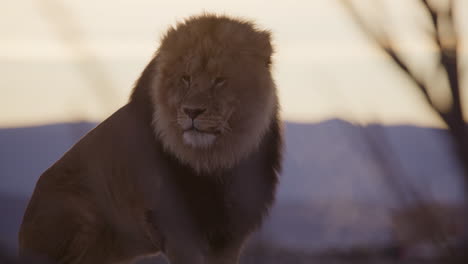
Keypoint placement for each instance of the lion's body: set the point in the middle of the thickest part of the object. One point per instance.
(121, 192)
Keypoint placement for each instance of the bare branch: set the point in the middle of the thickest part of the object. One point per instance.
(445, 36)
(432, 12)
(448, 58)
(383, 41)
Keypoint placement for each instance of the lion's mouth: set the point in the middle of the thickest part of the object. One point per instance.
(198, 138)
(201, 131)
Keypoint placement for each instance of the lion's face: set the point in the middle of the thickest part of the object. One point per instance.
(207, 103)
(213, 101)
(204, 105)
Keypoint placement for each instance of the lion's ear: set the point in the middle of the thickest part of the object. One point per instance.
(264, 46)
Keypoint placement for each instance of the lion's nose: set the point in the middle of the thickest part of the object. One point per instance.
(193, 112)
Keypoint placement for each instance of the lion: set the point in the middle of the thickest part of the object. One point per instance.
(187, 168)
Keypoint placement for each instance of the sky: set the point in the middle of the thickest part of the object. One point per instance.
(65, 60)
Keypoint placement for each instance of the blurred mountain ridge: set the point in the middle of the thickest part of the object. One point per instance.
(333, 191)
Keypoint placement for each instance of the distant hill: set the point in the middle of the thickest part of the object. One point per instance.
(334, 190)
(11, 211)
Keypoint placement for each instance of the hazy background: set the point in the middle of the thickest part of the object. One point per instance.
(66, 65)
(52, 51)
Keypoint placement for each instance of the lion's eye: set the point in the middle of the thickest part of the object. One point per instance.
(218, 81)
(186, 79)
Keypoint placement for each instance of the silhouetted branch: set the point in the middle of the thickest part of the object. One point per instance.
(446, 39)
(384, 43)
(448, 59)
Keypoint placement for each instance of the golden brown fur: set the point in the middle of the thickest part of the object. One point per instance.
(187, 168)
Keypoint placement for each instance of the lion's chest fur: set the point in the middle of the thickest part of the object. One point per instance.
(208, 204)
(219, 208)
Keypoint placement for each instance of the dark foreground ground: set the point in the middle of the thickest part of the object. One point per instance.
(278, 256)
(317, 260)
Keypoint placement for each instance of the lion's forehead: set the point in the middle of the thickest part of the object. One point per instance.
(208, 65)
(211, 103)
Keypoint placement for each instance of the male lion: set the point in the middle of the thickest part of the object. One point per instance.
(188, 167)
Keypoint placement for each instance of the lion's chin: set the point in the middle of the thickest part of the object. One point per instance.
(197, 139)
